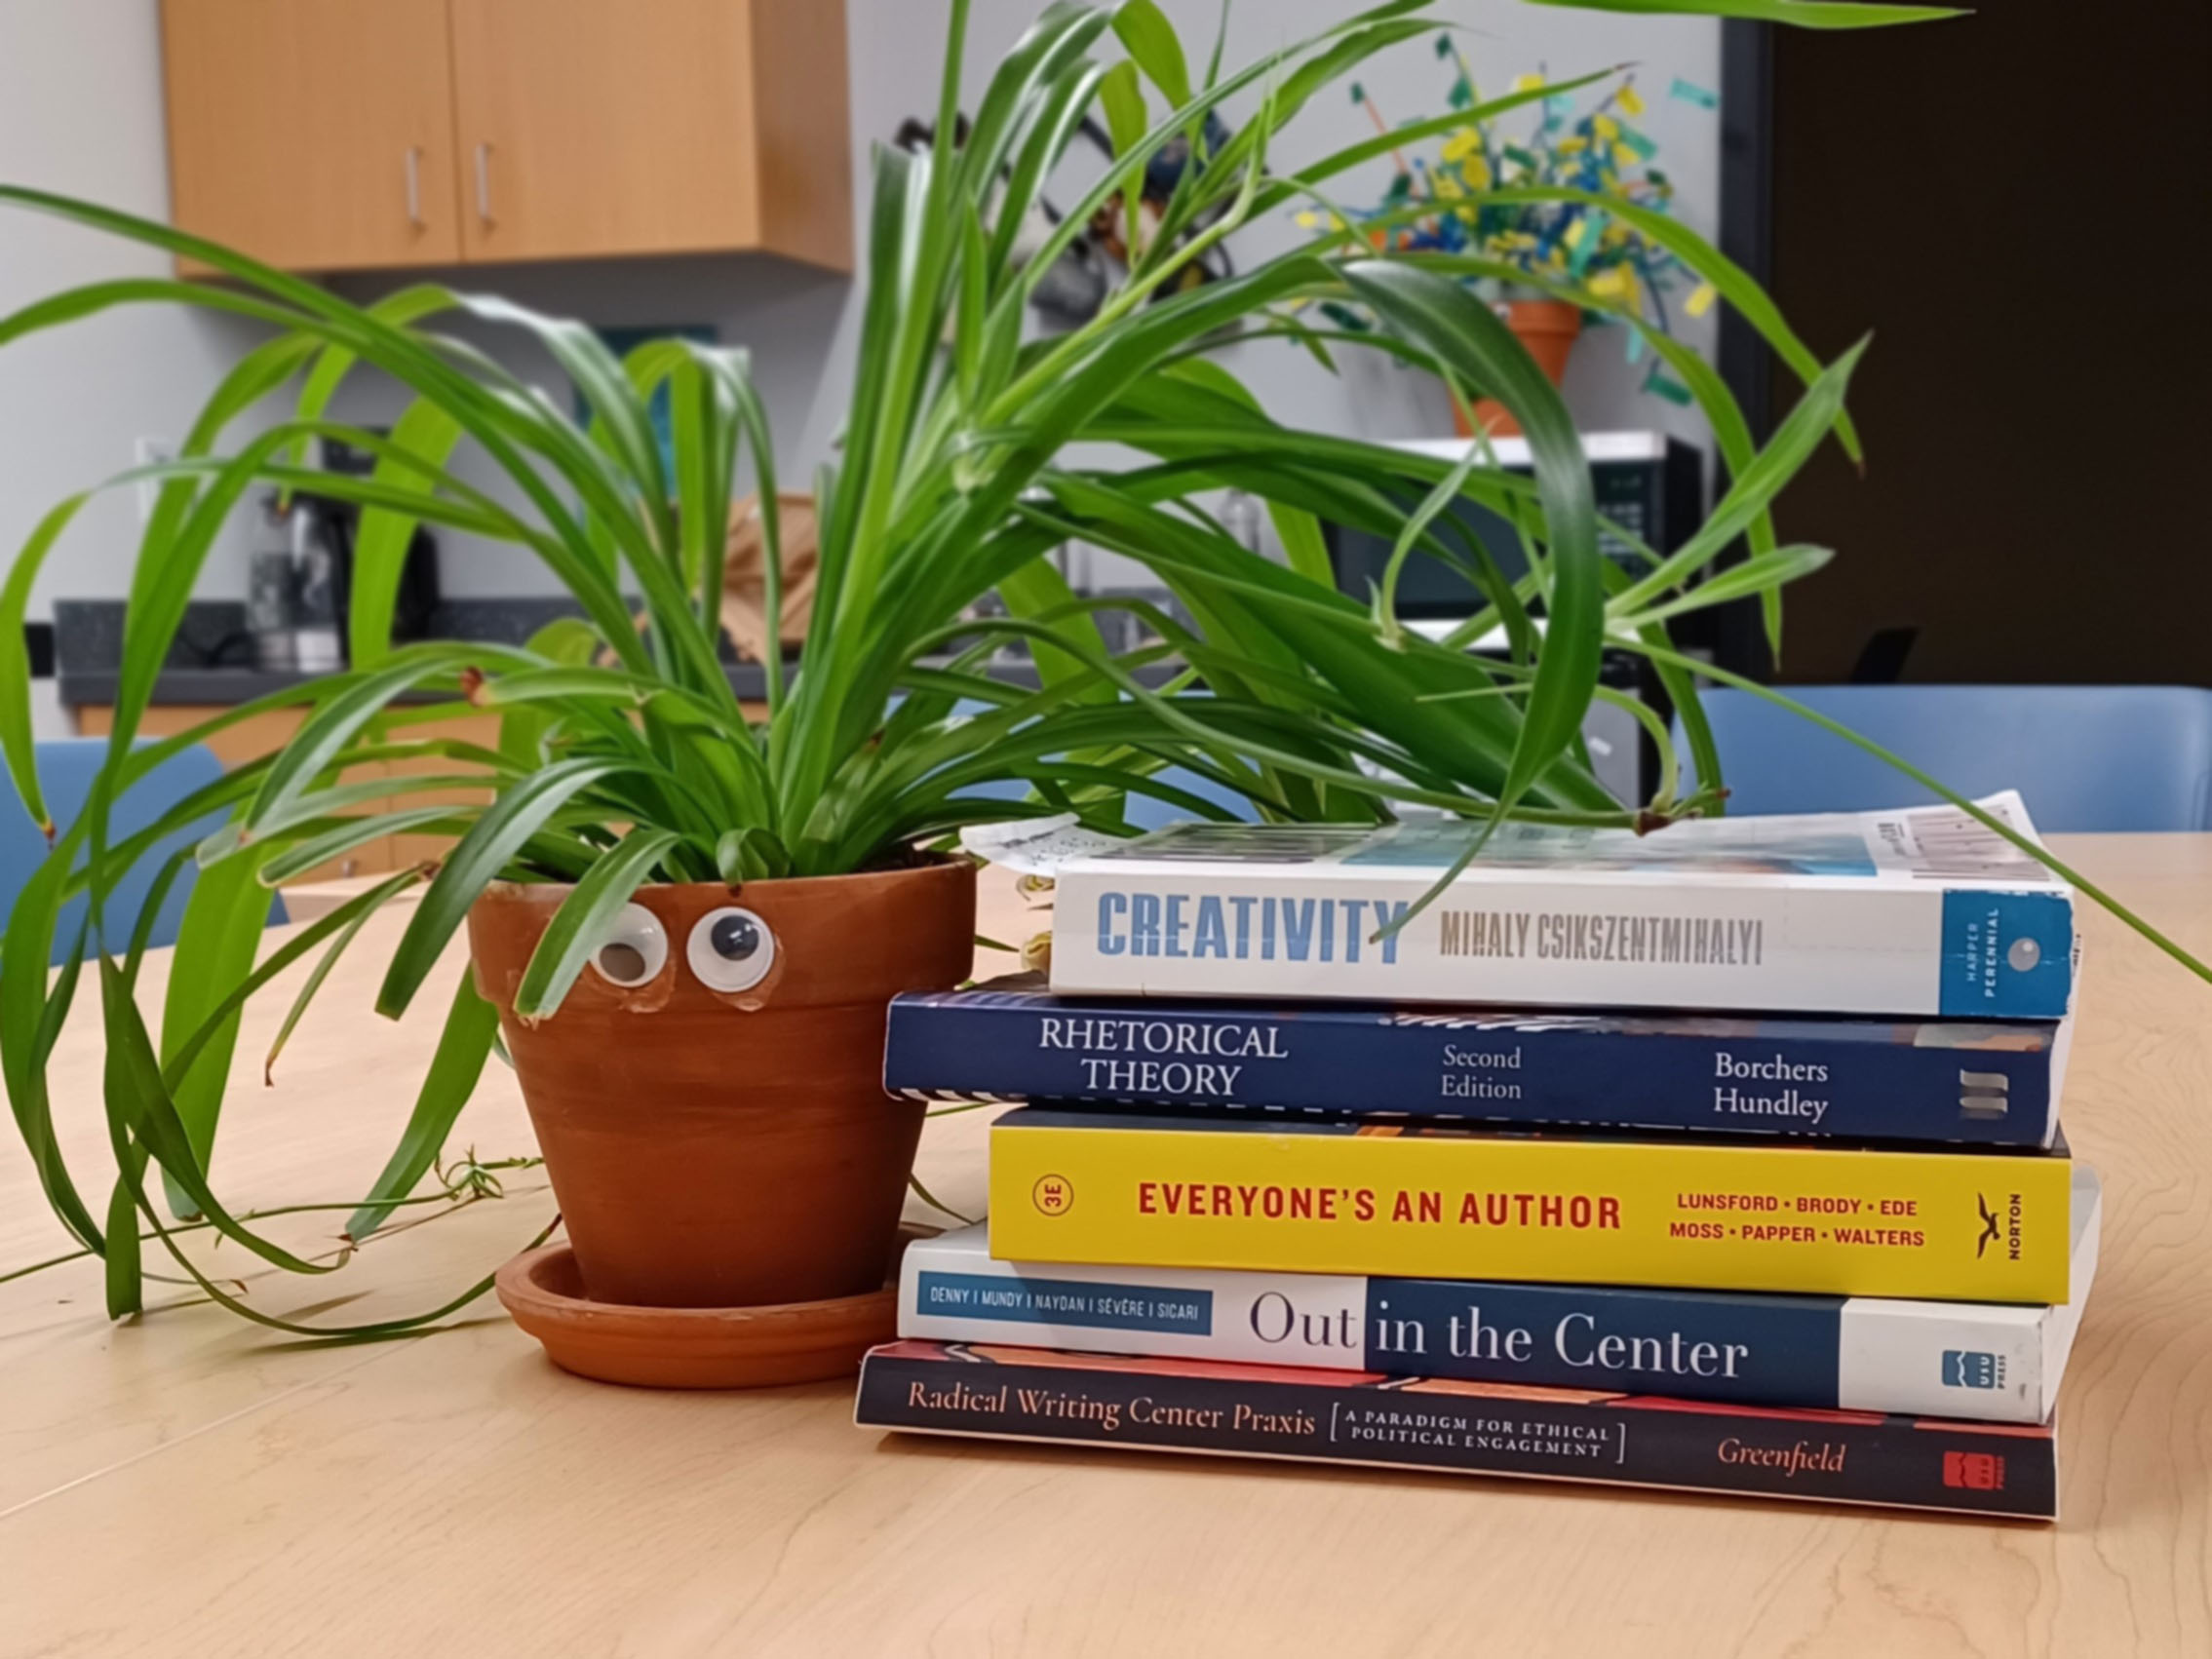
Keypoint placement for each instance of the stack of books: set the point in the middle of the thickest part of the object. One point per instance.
(1723, 1159)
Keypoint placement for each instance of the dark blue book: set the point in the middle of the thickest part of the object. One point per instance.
(1991, 1084)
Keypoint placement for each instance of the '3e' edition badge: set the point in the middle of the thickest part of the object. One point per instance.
(1052, 1195)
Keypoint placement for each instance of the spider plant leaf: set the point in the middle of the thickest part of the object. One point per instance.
(140, 1110)
(617, 412)
(30, 1021)
(334, 364)
(334, 801)
(1467, 338)
(580, 923)
(567, 640)
(1733, 284)
(1064, 103)
(308, 988)
(751, 854)
(474, 864)
(1040, 59)
(968, 328)
(1302, 181)
(16, 735)
(1122, 98)
(1798, 14)
(336, 722)
(217, 940)
(1155, 47)
(343, 835)
(183, 1055)
(472, 1025)
(123, 1270)
(1761, 573)
(1755, 485)
(1732, 432)
(1040, 592)
(385, 538)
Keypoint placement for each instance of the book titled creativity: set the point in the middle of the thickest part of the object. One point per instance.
(1916, 913)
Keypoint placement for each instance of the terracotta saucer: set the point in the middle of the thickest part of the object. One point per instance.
(755, 1347)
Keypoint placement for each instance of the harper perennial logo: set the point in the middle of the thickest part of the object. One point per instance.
(1052, 1195)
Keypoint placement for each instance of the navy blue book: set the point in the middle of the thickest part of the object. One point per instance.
(1989, 1083)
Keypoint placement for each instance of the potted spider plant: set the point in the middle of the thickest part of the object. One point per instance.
(683, 921)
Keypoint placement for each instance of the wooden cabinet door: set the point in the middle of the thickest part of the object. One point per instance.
(591, 127)
(316, 134)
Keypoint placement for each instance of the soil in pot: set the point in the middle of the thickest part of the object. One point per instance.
(709, 1098)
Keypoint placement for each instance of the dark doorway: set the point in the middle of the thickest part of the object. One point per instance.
(2014, 204)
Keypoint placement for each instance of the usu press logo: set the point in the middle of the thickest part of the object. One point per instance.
(1967, 1367)
(1052, 1195)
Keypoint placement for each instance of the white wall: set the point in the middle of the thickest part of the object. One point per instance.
(81, 114)
(80, 110)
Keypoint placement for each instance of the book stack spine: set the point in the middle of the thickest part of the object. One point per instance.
(1818, 1237)
(1327, 1416)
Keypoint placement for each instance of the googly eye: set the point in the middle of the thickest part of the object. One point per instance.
(634, 950)
(730, 949)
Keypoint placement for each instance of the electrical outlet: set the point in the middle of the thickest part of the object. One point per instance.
(151, 453)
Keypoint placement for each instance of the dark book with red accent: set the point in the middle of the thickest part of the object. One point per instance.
(1447, 1424)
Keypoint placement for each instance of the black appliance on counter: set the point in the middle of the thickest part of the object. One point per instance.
(1649, 485)
(324, 532)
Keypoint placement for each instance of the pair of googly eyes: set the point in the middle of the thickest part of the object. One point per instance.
(730, 949)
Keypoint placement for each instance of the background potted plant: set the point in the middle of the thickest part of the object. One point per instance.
(628, 788)
(1546, 208)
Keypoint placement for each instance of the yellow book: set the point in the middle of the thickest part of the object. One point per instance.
(1394, 1198)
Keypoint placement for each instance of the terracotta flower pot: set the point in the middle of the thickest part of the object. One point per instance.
(715, 1128)
(1548, 329)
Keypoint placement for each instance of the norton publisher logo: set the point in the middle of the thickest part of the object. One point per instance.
(1988, 1226)
(1052, 1195)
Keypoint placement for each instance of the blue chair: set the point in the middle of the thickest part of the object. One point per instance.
(65, 770)
(2085, 757)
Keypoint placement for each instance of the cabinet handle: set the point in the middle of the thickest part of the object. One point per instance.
(414, 185)
(483, 185)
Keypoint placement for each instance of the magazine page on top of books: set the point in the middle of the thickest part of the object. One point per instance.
(1917, 843)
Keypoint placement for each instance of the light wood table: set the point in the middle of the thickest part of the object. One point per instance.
(187, 1484)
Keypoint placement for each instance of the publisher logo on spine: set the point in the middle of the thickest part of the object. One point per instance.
(2011, 1227)
(1989, 1232)
(1974, 1470)
(1968, 1369)
(1052, 1195)
(1986, 1095)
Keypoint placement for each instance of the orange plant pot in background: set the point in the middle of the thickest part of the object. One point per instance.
(1548, 329)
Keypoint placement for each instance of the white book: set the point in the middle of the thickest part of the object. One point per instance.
(1977, 1361)
(1917, 912)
